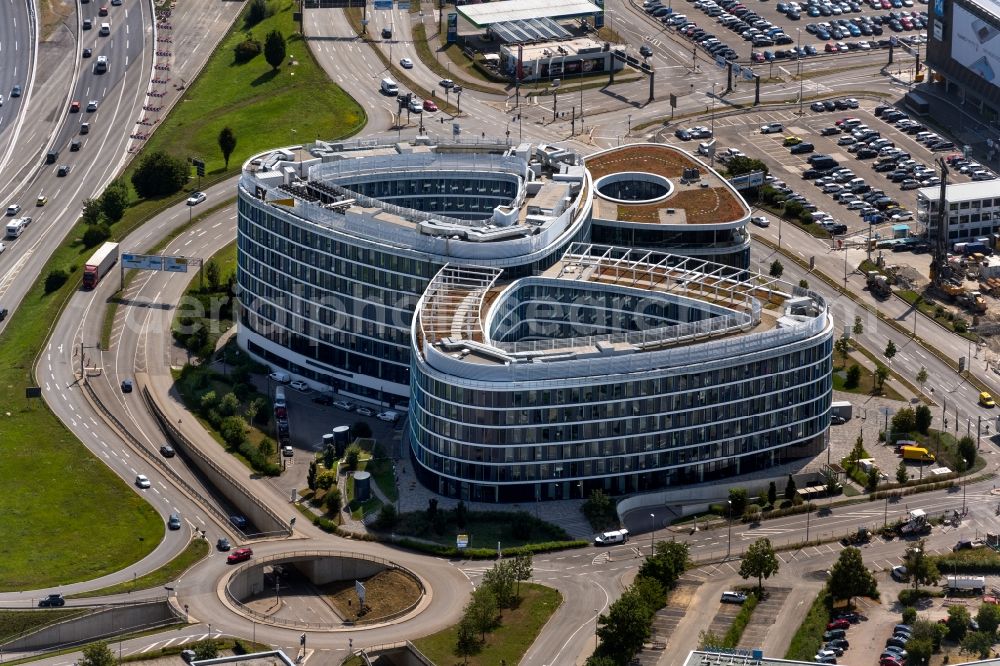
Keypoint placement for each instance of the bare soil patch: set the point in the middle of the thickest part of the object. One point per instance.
(386, 592)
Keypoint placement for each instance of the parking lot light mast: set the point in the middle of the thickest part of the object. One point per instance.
(652, 532)
(729, 547)
(799, 62)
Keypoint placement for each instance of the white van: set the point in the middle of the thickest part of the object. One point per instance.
(279, 396)
(389, 87)
(389, 415)
(15, 228)
(607, 538)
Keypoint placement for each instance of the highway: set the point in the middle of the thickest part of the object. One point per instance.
(18, 49)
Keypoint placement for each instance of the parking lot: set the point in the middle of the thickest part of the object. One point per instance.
(759, 33)
(893, 163)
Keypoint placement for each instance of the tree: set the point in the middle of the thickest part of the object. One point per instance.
(890, 350)
(97, 654)
(266, 447)
(988, 618)
(599, 509)
(919, 651)
(922, 571)
(624, 628)
(976, 642)
(360, 429)
(772, 493)
(967, 450)
(91, 212)
(227, 139)
(206, 649)
(56, 278)
(600, 660)
(873, 479)
(909, 615)
(158, 174)
(850, 578)
(461, 513)
(922, 419)
(482, 610)
(903, 421)
(229, 404)
(759, 561)
(790, 489)
(738, 500)
(352, 455)
(212, 275)
(432, 509)
(667, 563)
(741, 164)
(523, 568)
(326, 479)
(776, 269)
(387, 517)
(902, 474)
(922, 377)
(332, 500)
(274, 49)
(853, 377)
(209, 400)
(843, 347)
(466, 642)
(652, 594)
(311, 476)
(256, 12)
(500, 580)
(114, 201)
(958, 623)
(858, 450)
(804, 283)
(881, 374)
(859, 327)
(233, 430)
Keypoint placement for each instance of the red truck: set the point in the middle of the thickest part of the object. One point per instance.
(99, 264)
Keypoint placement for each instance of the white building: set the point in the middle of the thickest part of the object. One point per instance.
(973, 209)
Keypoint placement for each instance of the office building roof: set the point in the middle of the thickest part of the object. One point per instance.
(958, 192)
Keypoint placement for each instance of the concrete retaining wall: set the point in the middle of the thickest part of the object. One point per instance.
(103, 622)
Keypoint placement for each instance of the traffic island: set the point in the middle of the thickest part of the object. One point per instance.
(353, 588)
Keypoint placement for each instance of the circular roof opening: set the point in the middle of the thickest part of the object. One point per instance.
(633, 187)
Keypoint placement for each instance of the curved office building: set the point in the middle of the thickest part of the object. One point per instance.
(478, 283)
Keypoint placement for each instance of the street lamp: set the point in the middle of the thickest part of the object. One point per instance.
(629, 126)
(808, 511)
(729, 547)
(798, 60)
(652, 532)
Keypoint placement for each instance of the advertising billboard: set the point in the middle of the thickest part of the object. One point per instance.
(975, 44)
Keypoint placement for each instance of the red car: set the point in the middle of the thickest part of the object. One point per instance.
(430, 106)
(830, 48)
(74, 107)
(889, 661)
(239, 555)
(103, 11)
(839, 623)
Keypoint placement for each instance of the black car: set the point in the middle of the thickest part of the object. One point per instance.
(811, 174)
(882, 167)
(126, 386)
(223, 544)
(323, 400)
(3, 313)
(829, 131)
(52, 601)
(683, 135)
(830, 105)
(167, 451)
(866, 153)
(802, 148)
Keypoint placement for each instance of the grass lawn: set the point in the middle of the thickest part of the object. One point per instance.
(809, 636)
(264, 108)
(509, 641)
(195, 551)
(64, 515)
(485, 528)
(14, 622)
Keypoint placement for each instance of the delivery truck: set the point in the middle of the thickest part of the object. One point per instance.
(917, 453)
(99, 264)
(973, 584)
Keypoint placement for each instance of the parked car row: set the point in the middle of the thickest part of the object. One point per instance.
(972, 168)
(842, 28)
(895, 647)
(835, 637)
(696, 132)
(688, 28)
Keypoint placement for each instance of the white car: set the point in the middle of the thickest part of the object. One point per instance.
(772, 128)
(92, 105)
(287, 451)
(142, 481)
(299, 385)
(406, 63)
(196, 198)
(2, 248)
(856, 204)
(760, 221)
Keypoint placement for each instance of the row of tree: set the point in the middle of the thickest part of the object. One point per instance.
(501, 588)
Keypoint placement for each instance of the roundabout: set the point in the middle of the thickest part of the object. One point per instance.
(338, 590)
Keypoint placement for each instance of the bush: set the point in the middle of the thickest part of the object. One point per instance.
(159, 174)
(56, 278)
(95, 234)
(961, 326)
(599, 509)
(246, 50)
(234, 431)
(387, 517)
(332, 500)
(853, 377)
(909, 615)
(911, 597)
(257, 12)
(904, 421)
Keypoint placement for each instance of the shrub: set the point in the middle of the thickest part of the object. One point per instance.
(234, 431)
(332, 500)
(387, 517)
(56, 278)
(256, 12)
(246, 50)
(95, 233)
(961, 326)
(853, 377)
(159, 174)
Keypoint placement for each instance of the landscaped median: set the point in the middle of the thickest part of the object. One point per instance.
(195, 551)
